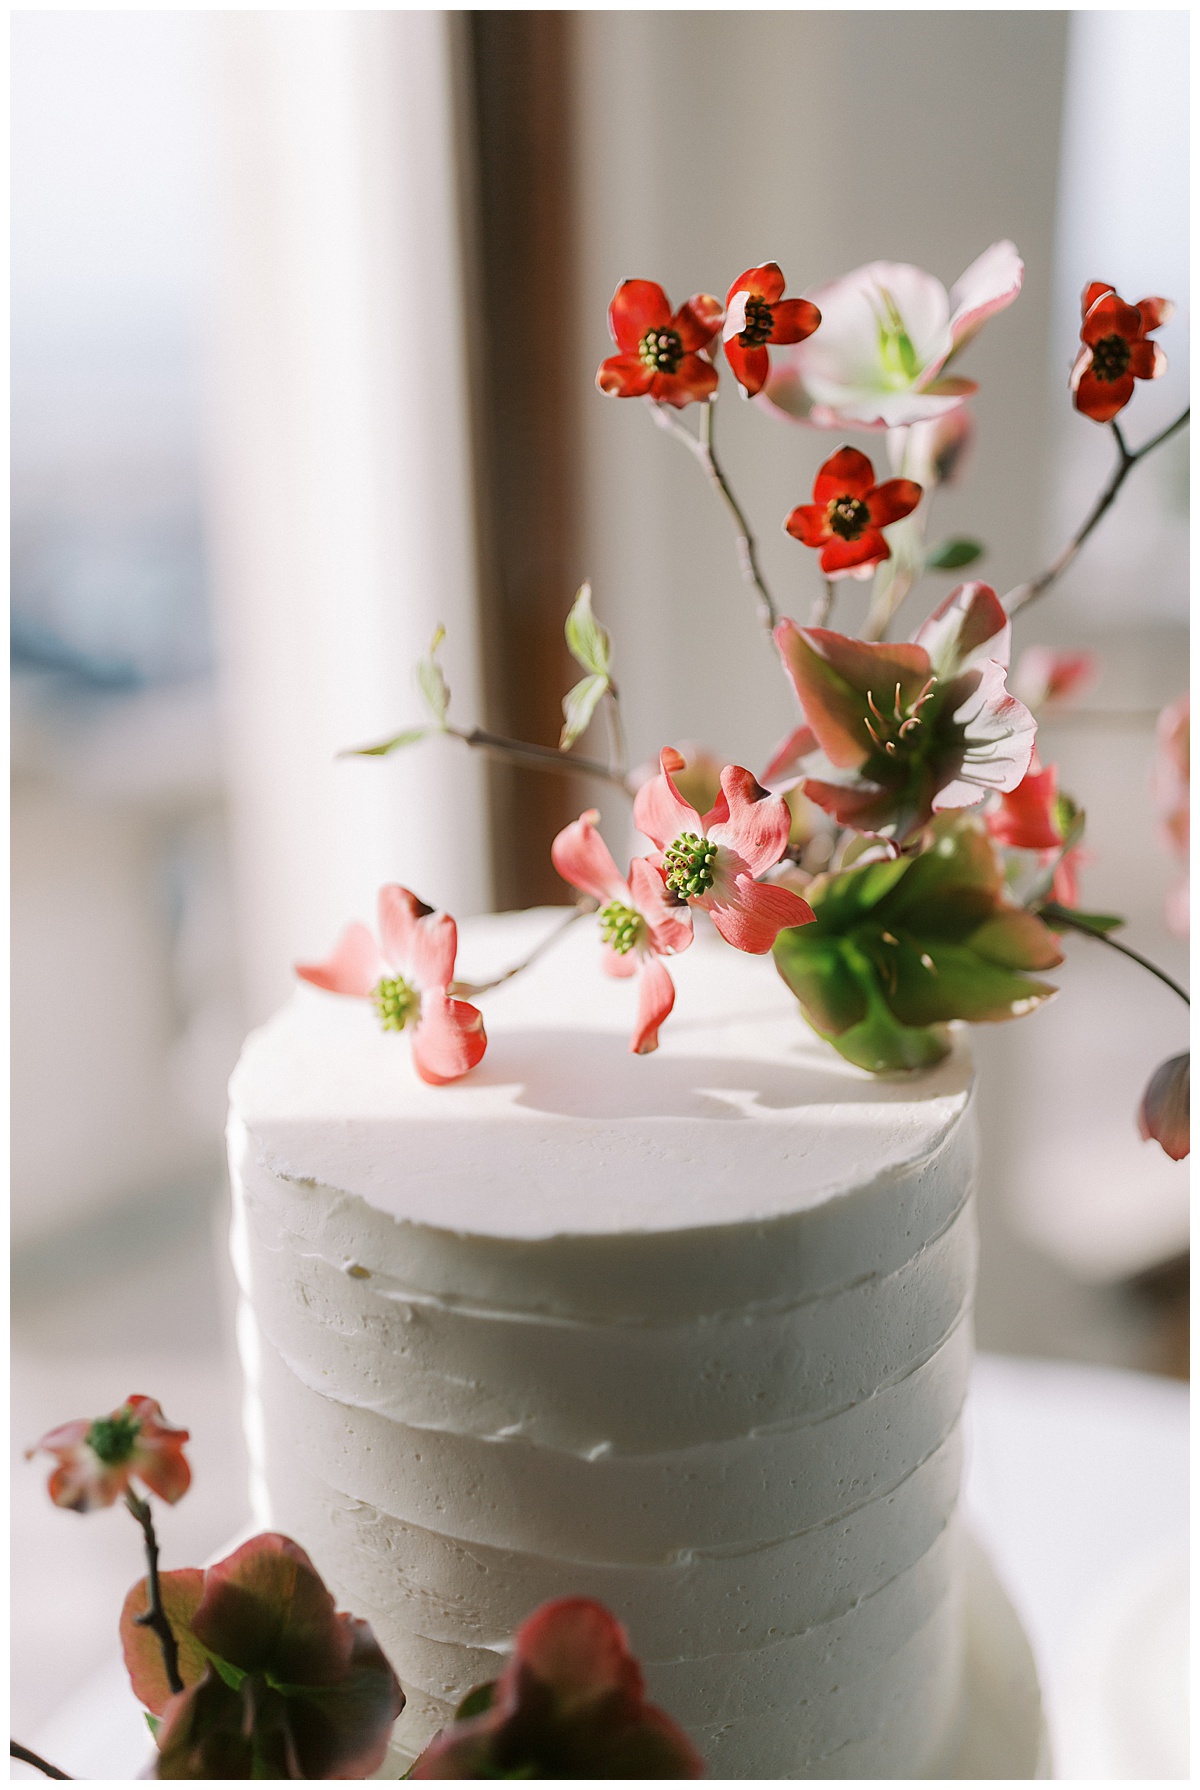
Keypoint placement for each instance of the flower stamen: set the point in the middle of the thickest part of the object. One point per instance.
(760, 321)
(661, 350)
(113, 1439)
(621, 927)
(688, 864)
(1110, 358)
(395, 1001)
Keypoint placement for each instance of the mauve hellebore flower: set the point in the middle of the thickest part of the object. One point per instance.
(848, 511)
(659, 350)
(713, 863)
(888, 331)
(408, 978)
(99, 1457)
(1116, 350)
(640, 923)
(756, 313)
(894, 734)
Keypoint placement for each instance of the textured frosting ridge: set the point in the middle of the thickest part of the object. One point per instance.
(695, 1344)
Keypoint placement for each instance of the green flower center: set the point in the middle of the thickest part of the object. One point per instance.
(890, 730)
(1110, 358)
(113, 1439)
(688, 862)
(760, 321)
(897, 355)
(621, 927)
(395, 1002)
(848, 517)
(661, 350)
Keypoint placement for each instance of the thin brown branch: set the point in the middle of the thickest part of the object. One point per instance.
(1061, 916)
(542, 758)
(1126, 460)
(702, 449)
(154, 1616)
(28, 1757)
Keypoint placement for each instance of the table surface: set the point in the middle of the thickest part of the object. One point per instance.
(1077, 1485)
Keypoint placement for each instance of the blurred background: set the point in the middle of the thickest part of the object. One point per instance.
(306, 312)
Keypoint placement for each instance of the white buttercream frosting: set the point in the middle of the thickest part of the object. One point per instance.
(688, 1333)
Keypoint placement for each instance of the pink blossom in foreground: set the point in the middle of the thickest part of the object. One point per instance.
(407, 976)
(714, 862)
(99, 1457)
(888, 332)
(640, 923)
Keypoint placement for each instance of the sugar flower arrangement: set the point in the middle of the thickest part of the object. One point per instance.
(247, 1669)
(905, 853)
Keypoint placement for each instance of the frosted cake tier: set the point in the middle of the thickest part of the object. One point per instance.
(687, 1333)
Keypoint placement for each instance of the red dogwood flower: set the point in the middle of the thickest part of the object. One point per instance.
(660, 350)
(1035, 817)
(408, 978)
(569, 1704)
(848, 511)
(98, 1457)
(640, 923)
(756, 313)
(713, 863)
(1115, 350)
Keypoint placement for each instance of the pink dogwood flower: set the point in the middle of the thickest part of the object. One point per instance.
(640, 923)
(99, 1457)
(714, 862)
(888, 332)
(407, 977)
(1049, 676)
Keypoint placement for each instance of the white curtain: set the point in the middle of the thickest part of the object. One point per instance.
(341, 488)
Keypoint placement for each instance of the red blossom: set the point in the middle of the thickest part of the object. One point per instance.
(639, 921)
(756, 313)
(660, 351)
(1025, 817)
(570, 1704)
(99, 1457)
(847, 513)
(714, 863)
(277, 1682)
(1115, 350)
(1165, 1112)
(408, 977)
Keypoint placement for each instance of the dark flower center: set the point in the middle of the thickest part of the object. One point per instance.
(1110, 358)
(395, 1001)
(661, 350)
(848, 516)
(688, 862)
(113, 1439)
(620, 926)
(760, 321)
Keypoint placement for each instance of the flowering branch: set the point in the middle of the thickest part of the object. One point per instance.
(469, 990)
(1057, 916)
(702, 449)
(155, 1617)
(1126, 461)
(28, 1757)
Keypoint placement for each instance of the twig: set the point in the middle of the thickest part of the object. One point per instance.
(468, 990)
(701, 448)
(822, 607)
(28, 1757)
(542, 758)
(154, 1616)
(1126, 461)
(1062, 916)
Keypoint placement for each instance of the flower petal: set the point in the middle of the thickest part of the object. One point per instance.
(400, 912)
(758, 912)
(668, 922)
(784, 768)
(449, 1039)
(758, 824)
(1165, 1112)
(616, 963)
(840, 557)
(1146, 360)
(637, 306)
(999, 734)
(582, 859)
(966, 622)
(1155, 312)
(656, 997)
(1093, 292)
(697, 321)
(763, 282)
(809, 522)
(625, 376)
(1025, 818)
(749, 366)
(432, 952)
(990, 284)
(794, 321)
(893, 499)
(693, 379)
(659, 811)
(845, 474)
(354, 968)
(831, 674)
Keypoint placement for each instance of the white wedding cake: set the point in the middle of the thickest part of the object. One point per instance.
(689, 1333)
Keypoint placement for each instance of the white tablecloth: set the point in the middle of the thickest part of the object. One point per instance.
(1077, 1486)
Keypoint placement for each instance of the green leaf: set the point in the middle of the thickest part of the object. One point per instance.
(948, 556)
(822, 980)
(590, 644)
(579, 705)
(431, 681)
(409, 737)
(1074, 919)
(152, 1722)
(476, 1702)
